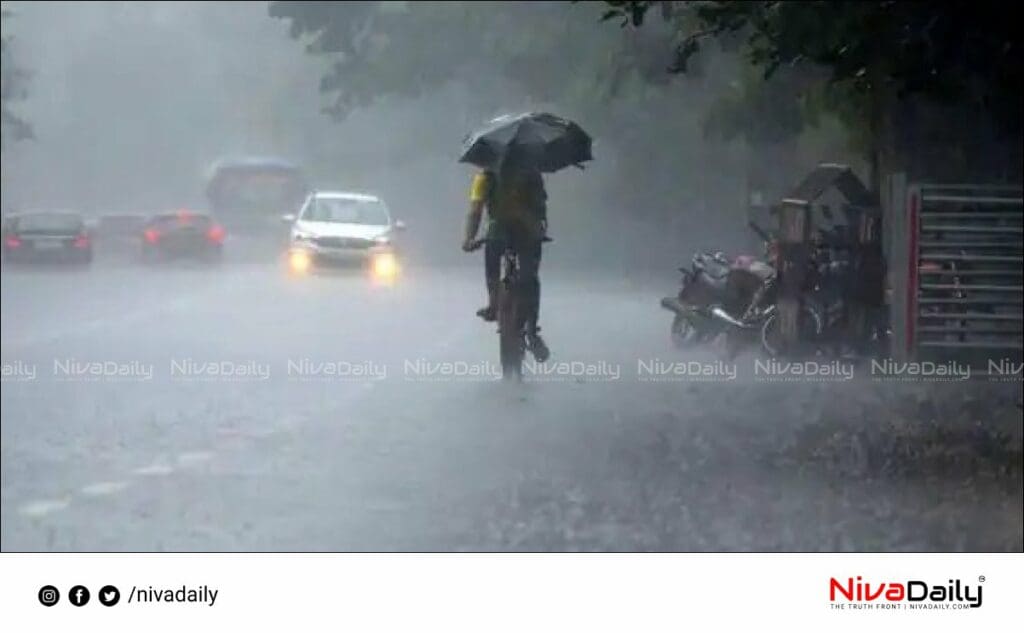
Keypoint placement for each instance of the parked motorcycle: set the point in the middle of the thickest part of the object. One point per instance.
(731, 296)
(703, 287)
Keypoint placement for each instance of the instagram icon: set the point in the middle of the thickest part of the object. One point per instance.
(49, 596)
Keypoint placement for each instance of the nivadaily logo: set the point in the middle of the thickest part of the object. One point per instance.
(911, 594)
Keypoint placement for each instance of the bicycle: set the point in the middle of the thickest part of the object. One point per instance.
(512, 343)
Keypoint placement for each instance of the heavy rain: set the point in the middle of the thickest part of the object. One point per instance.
(755, 277)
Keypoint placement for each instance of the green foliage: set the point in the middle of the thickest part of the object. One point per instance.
(912, 46)
(380, 49)
(13, 88)
(927, 64)
(945, 51)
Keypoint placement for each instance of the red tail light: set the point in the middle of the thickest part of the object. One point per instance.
(82, 241)
(12, 242)
(215, 234)
(151, 235)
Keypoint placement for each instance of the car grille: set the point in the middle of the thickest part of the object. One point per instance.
(343, 242)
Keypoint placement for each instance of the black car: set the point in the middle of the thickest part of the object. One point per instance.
(45, 237)
(182, 235)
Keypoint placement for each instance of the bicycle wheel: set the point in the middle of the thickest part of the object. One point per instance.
(810, 327)
(510, 332)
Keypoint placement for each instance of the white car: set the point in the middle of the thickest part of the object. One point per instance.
(336, 227)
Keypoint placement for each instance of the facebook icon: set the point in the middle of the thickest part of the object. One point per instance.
(78, 595)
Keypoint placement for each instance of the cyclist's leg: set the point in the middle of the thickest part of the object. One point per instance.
(529, 251)
(492, 272)
(529, 261)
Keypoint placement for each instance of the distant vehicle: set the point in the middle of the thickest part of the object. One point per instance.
(249, 193)
(118, 233)
(8, 223)
(47, 237)
(182, 235)
(340, 227)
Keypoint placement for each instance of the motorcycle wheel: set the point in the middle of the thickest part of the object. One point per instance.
(810, 328)
(684, 334)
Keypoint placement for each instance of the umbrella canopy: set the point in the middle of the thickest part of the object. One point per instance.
(541, 140)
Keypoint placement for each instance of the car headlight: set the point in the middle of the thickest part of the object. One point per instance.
(384, 267)
(299, 261)
(301, 237)
(382, 239)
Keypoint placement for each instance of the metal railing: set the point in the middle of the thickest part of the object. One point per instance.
(956, 255)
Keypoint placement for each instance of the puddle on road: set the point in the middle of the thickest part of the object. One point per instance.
(154, 470)
(43, 507)
(104, 488)
(194, 457)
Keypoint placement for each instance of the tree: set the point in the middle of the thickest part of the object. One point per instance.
(13, 88)
(881, 57)
(382, 49)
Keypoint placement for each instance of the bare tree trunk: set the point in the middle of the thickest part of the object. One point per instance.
(875, 126)
(793, 255)
(886, 152)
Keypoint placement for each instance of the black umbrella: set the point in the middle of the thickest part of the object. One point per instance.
(541, 140)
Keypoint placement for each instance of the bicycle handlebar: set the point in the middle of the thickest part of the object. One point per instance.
(476, 244)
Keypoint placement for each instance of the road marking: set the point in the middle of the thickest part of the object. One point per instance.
(104, 488)
(153, 470)
(194, 457)
(43, 507)
(287, 423)
(234, 434)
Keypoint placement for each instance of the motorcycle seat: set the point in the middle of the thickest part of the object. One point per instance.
(715, 282)
(712, 268)
(761, 269)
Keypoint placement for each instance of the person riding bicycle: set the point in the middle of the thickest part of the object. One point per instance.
(516, 203)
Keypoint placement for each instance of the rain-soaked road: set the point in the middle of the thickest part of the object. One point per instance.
(164, 455)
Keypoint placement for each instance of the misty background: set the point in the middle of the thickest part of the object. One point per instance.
(130, 103)
(119, 107)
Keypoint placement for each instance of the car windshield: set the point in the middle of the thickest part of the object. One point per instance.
(50, 222)
(347, 211)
